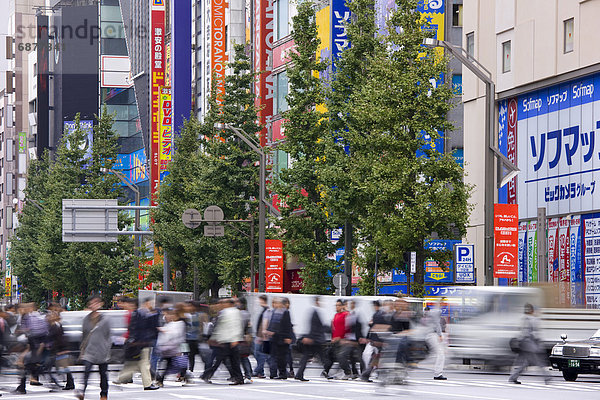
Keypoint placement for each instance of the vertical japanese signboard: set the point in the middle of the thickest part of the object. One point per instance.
(218, 46)
(553, 250)
(506, 240)
(532, 253)
(591, 251)
(522, 252)
(564, 261)
(8, 277)
(157, 80)
(166, 136)
(274, 265)
(340, 18)
(575, 244)
(263, 63)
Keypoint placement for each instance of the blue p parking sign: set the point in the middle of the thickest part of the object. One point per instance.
(464, 261)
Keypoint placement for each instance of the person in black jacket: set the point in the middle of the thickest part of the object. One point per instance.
(137, 347)
(312, 343)
(280, 332)
(259, 338)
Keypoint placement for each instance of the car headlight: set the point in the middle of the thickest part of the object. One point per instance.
(595, 352)
(558, 350)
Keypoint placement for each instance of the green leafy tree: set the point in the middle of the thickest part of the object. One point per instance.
(409, 189)
(74, 270)
(305, 219)
(212, 167)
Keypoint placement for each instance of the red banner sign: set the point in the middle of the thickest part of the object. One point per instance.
(274, 265)
(157, 68)
(506, 240)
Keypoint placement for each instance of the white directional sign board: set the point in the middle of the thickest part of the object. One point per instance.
(464, 261)
(89, 220)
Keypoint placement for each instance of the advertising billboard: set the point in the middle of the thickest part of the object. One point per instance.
(133, 165)
(340, 18)
(506, 241)
(263, 62)
(557, 156)
(218, 46)
(157, 80)
(274, 265)
(166, 131)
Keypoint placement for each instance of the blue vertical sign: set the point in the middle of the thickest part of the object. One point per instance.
(340, 18)
(435, 273)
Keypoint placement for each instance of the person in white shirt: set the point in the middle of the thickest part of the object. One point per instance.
(227, 335)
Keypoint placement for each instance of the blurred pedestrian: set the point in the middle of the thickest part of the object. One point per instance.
(227, 335)
(195, 321)
(355, 338)
(137, 348)
(246, 343)
(260, 338)
(340, 350)
(379, 323)
(312, 343)
(280, 333)
(529, 346)
(170, 339)
(57, 347)
(289, 359)
(95, 346)
(35, 327)
(435, 340)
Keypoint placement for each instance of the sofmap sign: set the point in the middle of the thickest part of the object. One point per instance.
(556, 134)
(435, 273)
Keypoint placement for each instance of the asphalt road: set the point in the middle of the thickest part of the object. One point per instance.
(460, 385)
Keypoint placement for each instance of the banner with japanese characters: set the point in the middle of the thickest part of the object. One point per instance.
(506, 241)
(553, 250)
(575, 243)
(564, 261)
(532, 255)
(522, 252)
(591, 251)
(166, 136)
(557, 152)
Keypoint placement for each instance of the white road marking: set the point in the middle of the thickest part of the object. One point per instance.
(420, 391)
(190, 396)
(291, 394)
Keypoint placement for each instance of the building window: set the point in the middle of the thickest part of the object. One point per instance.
(457, 15)
(568, 25)
(282, 19)
(281, 89)
(471, 44)
(457, 84)
(506, 56)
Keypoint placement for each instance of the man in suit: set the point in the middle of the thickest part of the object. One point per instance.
(313, 342)
(280, 332)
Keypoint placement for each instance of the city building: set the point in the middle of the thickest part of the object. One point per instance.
(545, 62)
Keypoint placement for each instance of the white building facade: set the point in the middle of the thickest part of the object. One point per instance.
(544, 58)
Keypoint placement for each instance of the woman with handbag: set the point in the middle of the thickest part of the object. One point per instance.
(171, 337)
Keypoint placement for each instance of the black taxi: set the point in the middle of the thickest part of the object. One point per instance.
(577, 357)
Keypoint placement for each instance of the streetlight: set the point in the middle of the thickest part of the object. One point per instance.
(256, 147)
(135, 189)
(503, 162)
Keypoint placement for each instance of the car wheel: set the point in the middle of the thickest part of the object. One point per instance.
(570, 376)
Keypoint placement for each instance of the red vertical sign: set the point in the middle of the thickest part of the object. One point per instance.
(263, 63)
(274, 265)
(511, 147)
(506, 240)
(157, 79)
